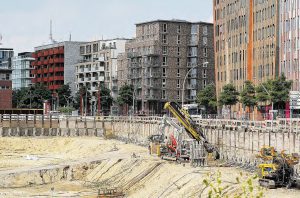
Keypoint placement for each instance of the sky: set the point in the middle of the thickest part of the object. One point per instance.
(24, 24)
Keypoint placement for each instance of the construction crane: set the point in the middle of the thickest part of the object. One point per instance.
(194, 131)
(277, 169)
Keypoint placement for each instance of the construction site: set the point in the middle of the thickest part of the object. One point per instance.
(170, 156)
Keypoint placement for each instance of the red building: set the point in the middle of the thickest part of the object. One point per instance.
(49, 67)
(54, 64)
(5, 78)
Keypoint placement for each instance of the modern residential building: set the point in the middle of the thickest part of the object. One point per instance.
(160, 57)
(5, 78)
(54, 64)
(289, 41)
(246, 42)
(22, 70)
(98, 64)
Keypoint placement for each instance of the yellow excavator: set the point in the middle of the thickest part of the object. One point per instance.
(192, 129)
(277, 169)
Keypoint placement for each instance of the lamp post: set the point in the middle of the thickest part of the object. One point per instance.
(183, 85)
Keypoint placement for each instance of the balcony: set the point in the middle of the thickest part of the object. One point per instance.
(135, 65)
(51, 61)
(134, 54)
(50, 70)
(151, 97)
(39, 71)
(45, 70)
(58, 69)
(51, 78)
(191, 86)
(58, 60)
(39, 63)
(152, 64)
(39, 54)
(50, 52)
(58, 78)
(96, 69)
(153, 75)
(46, 52)
(87, 69)
(191, 64)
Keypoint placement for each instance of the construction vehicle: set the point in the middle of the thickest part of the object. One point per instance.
(192, 129)
(278, 169)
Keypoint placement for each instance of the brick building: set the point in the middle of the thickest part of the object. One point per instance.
(54, 64)
(5, 78)
(160, 57)
(246, 42)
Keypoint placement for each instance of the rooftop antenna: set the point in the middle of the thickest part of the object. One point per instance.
(51, 36)
(70, 37)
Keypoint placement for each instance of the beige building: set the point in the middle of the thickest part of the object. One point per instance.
(160, 57)
(99, 65)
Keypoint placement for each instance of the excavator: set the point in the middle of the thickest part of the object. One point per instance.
(277, 169)
(181, 148)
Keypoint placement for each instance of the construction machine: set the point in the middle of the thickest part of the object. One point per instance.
(277, 169)
(192, 129)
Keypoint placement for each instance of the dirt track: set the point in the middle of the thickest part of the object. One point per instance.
(95, 163)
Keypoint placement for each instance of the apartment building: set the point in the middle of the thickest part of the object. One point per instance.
(54, 64)
(22, 70)
(161, 55)
(246, 41)
(122, 70)
(98, 64)
(5, 78)
(289, 40)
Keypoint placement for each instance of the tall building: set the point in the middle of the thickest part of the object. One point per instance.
(5, 78)
(21, 70)
(289, 41)
(98, 64)
(246, 41)
(54, 64)
(160, 57)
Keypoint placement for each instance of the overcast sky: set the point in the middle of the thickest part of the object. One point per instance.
(24, 24)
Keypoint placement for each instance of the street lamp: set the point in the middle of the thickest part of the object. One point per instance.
(270, 98)
(182, 98)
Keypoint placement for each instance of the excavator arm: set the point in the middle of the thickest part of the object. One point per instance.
(190, 126)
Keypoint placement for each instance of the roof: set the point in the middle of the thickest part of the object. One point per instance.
(171, 21)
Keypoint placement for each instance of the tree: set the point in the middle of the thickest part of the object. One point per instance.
(106, 99)
(248, 98)
(31, 96)
(229, 96)
(207, 97)
(125, 95)
(64, 95)
(84, 95)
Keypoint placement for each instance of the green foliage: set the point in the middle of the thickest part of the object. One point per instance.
(66, 110)
(248, 97)
(125, 95)
(64, 95)
(31, 96)
(208, 98)
(278, 89)
(82, 92)
(244, 187)
(105, 99)
(229, 95)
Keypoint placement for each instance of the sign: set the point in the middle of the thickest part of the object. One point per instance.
(294, 100)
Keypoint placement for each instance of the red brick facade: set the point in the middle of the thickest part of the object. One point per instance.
(6, 95)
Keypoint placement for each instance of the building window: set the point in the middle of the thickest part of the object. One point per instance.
(82, 49)
(164, 50)
(205, 30)
(164, 83)
(164, 72)
(163, 94)
(88, 49)
(95, 47)
(204, 40)
(178, 72)
(178, 83)
(178, 51)
(165, 61)
(204, 73)
(178, 39)
(205, 52)
(165, 27)
(178, 95)
(178, 29)
(178, 62)
(204, 83)
(164, 39)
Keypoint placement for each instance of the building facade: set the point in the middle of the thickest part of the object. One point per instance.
(289, 41)
(98, 64)
(54, 64)
(22, 70)
(160, 57)
(246, 36)
(6, 55)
